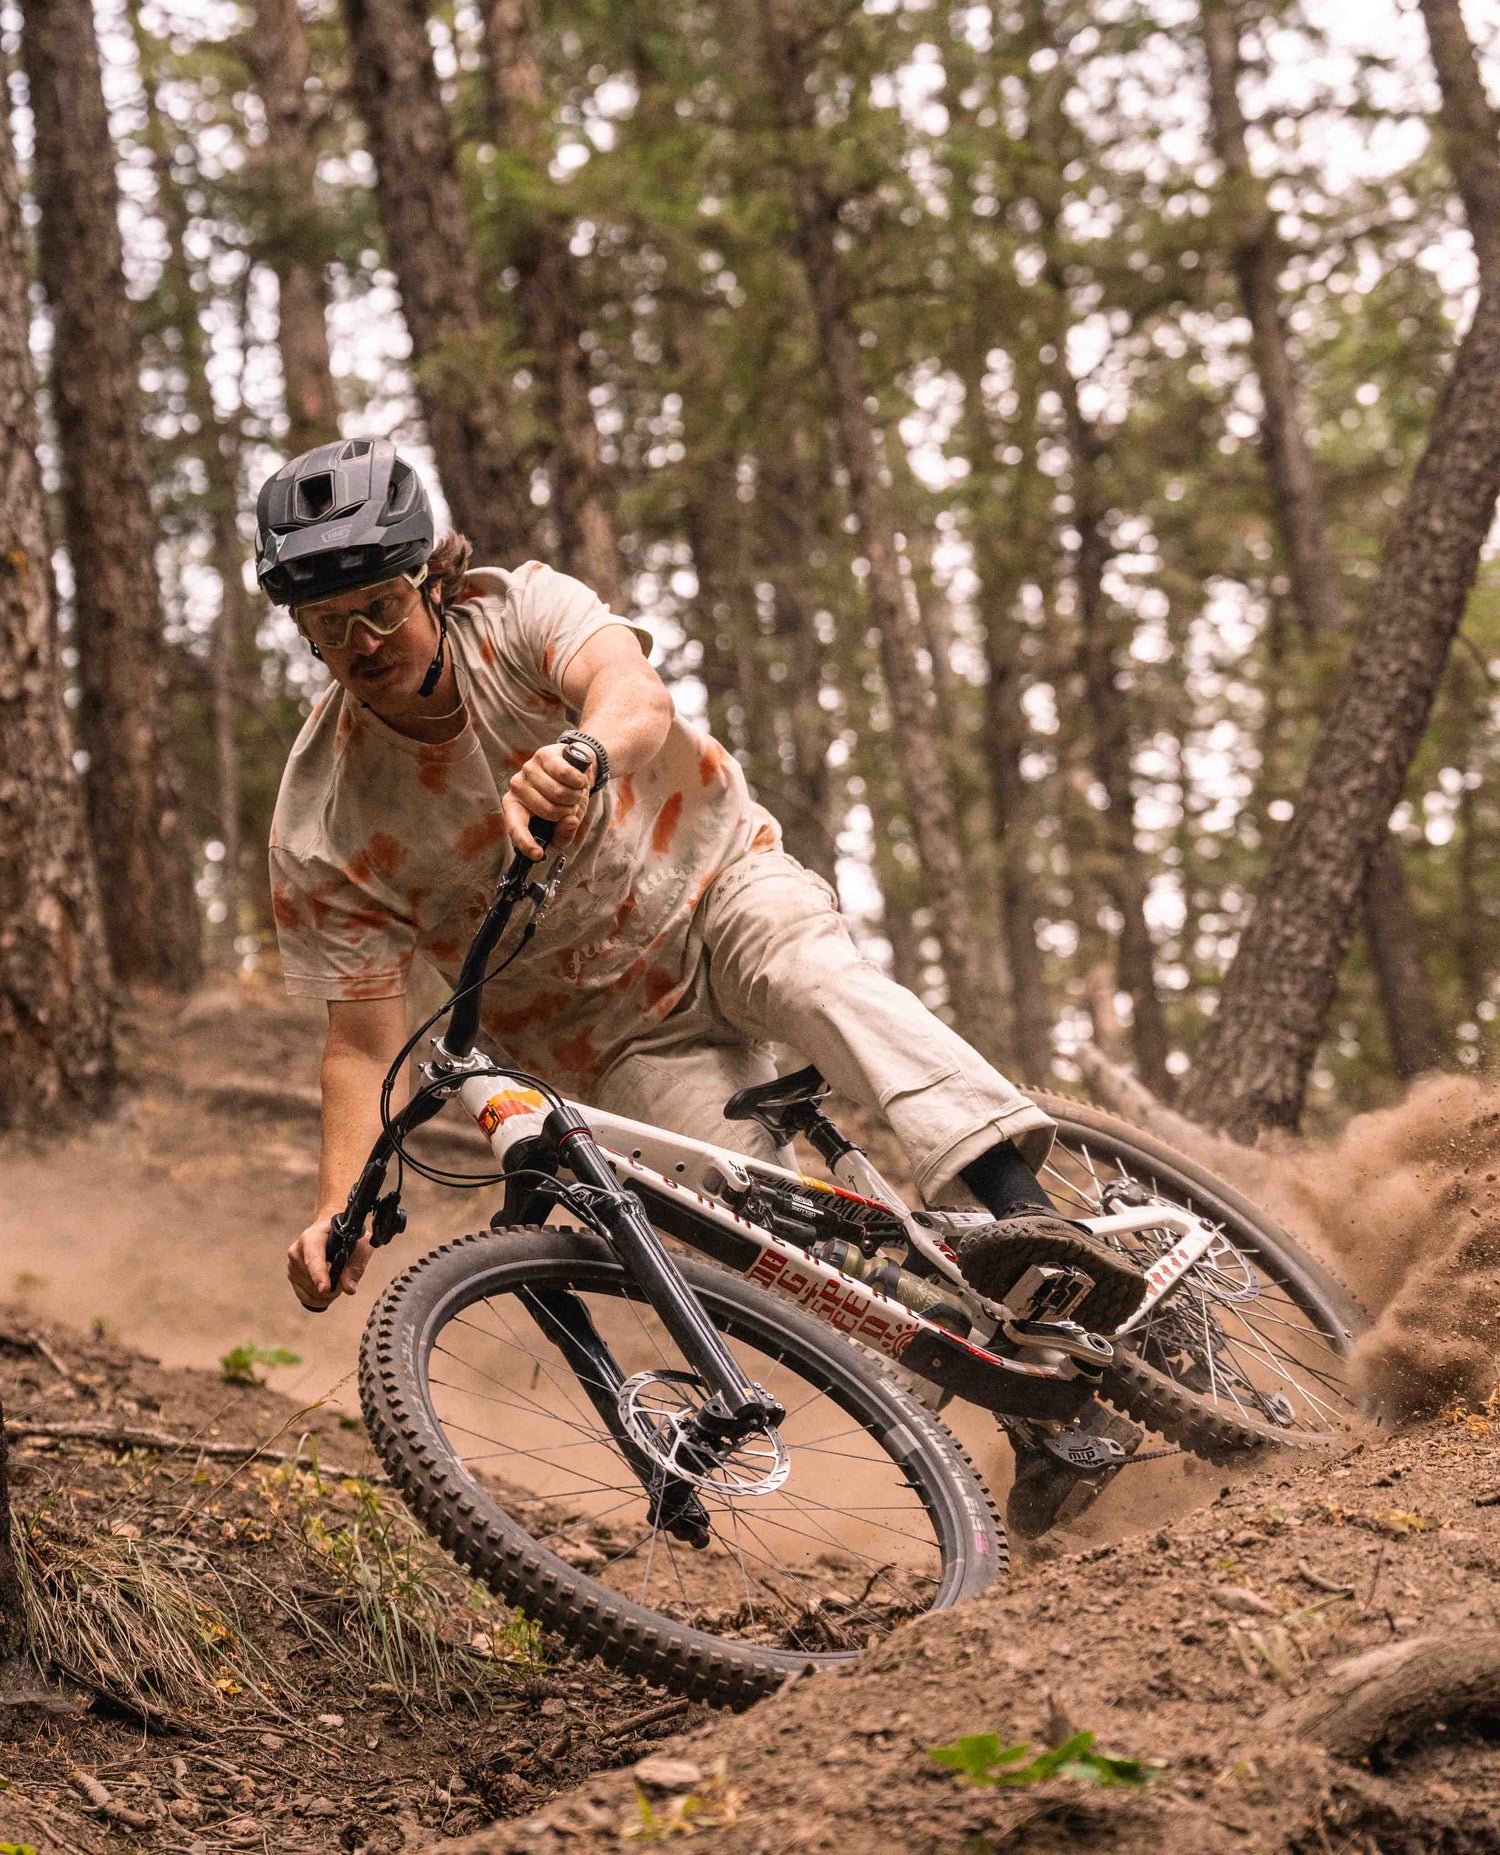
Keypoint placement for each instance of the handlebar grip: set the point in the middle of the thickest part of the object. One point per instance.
(341, 1242)
(545, 829)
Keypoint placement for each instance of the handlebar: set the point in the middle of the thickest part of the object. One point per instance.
(463, 1027)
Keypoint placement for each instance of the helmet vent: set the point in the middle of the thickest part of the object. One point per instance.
(315, 496)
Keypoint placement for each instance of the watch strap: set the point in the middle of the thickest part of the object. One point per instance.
(597, 749)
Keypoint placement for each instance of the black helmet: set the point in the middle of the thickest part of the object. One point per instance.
(339, 516)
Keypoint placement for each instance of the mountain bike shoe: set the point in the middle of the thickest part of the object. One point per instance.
(994, 1257)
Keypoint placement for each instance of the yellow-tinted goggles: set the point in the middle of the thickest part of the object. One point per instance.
(389, 608)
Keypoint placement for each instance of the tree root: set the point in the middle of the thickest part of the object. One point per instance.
(186, 1445)
(1390, 1695)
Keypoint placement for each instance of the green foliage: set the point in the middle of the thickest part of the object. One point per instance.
(237, 1367)
(982, 1759)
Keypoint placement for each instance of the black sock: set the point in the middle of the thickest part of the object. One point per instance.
(1002, 1181)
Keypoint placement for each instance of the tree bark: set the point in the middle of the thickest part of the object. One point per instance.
(1253, 1060)
(1394, 939)
(12, 1603)
(1257, 260)
(217, 443)
(1389, 1695)
(1006, 725)
(971, 986)
(57, 1057)
(459, 355)
(786, 505)
(548, 295)
(144, 858)
(290, 242)
(1406, 995)
(1122, 870)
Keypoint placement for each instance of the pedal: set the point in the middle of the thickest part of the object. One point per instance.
(1064, 1336)
(1048, 1292)
(1084, 1454)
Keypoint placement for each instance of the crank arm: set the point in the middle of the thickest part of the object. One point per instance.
(564, 1320)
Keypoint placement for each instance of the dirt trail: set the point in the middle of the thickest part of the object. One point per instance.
(1175, 1644)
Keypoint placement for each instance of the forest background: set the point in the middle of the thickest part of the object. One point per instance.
(1054, 445)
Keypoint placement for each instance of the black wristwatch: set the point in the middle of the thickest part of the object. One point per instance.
(597, 749)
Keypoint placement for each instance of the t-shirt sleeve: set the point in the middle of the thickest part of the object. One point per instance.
(337, 940)
(554, 615)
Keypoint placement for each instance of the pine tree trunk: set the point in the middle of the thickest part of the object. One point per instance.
(1393, 936)
(1123, 870)
(144, 857)
(12, 1604)
(460, 363)
(1258, 258)
(281, 60)
(548, 295)
(1006, 726)
(57, 1058)
(786, 504)
(1297, 494)
(924, 777)
(1253, 1060)
(218, 452)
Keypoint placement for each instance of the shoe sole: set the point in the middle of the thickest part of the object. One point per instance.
(1119, 1287)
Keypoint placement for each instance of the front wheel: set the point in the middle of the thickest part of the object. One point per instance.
(861, 1512)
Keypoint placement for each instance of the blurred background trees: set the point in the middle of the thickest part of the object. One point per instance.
(1054, 446)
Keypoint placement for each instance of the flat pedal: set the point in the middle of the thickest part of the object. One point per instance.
(1048, 1292)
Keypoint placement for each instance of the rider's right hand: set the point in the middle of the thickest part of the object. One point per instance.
(307, 1266)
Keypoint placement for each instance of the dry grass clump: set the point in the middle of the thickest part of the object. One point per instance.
(147, 1621)
(339, 1568)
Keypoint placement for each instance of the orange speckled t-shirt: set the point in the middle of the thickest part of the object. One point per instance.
(383, 847)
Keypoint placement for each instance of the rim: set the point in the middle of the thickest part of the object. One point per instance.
(1230, 1334)
(848, 1544)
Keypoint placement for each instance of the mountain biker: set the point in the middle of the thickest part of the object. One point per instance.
(684, 944)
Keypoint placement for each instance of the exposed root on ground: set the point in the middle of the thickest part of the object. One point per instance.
(1392, 1694)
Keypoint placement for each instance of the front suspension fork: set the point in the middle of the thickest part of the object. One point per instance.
(736, 1407)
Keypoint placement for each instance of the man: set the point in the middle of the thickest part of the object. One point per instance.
(684, 941)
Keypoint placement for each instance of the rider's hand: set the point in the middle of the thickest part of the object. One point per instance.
(307, 1266)
(548, 786)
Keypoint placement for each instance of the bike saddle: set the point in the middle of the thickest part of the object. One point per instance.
(774, 1097)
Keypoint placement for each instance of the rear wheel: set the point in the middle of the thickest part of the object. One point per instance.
(1251, 1348)
(860, 1512)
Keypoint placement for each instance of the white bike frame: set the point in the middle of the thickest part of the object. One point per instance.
(674, 1168)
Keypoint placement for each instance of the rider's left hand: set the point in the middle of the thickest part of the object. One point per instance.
(548, 786)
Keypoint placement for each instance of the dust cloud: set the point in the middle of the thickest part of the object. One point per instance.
(1405, 1206)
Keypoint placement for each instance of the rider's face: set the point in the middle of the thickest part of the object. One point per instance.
(385, 672)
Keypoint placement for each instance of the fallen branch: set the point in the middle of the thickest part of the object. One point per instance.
(1391, 1694)
(160, 1439)
(1115, 1088)
(638, 1722)
(1308, 1576)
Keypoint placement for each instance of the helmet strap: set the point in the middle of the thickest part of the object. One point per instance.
(435, 669)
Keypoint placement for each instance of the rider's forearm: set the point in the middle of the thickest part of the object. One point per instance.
(630, 716)
(351, 1120)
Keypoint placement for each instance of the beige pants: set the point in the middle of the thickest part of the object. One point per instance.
(779, 967)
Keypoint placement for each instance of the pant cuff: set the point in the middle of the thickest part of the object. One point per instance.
(1026, 1124)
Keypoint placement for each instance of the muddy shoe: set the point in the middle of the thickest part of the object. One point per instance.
(994, 1257)
(1059, 1479)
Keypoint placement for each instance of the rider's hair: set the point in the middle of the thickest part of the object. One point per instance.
(448, 564)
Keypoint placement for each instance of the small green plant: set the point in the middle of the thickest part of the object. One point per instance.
(16, 1848)
(238, 1367)
(982, 1759)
